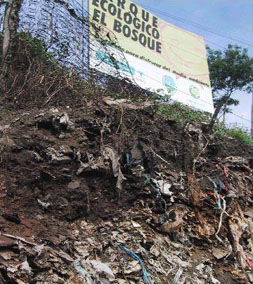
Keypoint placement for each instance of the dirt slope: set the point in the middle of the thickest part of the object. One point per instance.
(110, 193)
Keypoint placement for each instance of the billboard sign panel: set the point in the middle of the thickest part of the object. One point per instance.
(161, 57)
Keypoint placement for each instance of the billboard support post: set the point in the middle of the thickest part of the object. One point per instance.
(88, 42)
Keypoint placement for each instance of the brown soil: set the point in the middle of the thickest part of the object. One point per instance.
(44, 200)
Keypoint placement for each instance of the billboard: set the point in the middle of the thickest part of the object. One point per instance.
(160, 57)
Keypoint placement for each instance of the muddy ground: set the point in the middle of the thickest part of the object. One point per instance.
(112, 193)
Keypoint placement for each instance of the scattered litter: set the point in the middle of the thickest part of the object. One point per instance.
(145, 274)
(26, 267)
(57, 156)
(20, 239)
(135, 225)
(220, 253)
(82, 272)
(177, 276)
(235, 160)
(102, 269)
(114, 157)
(74, 184)
(132, 267)
(62, 214)
(207, 271)
(164, 187)
(128, 104)
(44, 204)
(62, 120)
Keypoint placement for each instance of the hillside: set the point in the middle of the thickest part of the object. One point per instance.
(110, 192)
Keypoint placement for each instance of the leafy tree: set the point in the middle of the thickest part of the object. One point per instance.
(230, 70)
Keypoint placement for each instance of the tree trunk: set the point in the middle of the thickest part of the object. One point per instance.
(11, 21)
(224, 114)
(223, 101)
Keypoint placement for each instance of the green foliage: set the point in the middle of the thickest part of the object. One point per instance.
(230, 69)
(160, 99)
(35, 47)
(35, 78)
(235, 132)
(181, 113)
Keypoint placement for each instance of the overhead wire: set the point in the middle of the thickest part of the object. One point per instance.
(167, 42)
(187, 93)
(206, 102)
(175, 46)
(197, 25)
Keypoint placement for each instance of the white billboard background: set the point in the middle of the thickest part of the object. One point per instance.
(149, 77)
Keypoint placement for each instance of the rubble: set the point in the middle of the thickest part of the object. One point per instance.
(97, 195)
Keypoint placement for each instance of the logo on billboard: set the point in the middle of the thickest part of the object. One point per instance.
(169, 84)
(194, 91)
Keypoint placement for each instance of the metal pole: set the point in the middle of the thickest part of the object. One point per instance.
(2, 15)
(83, 35)
(252, 116)
(88, 42)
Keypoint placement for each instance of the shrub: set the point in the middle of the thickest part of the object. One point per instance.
(235, 132)
(180, 113)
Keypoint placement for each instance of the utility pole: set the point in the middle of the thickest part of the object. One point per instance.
(252, 115)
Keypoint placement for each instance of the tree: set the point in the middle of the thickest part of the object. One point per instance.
(230, 70)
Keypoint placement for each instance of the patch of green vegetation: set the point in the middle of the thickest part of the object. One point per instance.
(181, 113)
(236, 132)
(35, 47)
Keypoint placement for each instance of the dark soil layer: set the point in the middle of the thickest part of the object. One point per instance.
(57, 188)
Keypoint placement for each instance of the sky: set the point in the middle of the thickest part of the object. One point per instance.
(219, 22)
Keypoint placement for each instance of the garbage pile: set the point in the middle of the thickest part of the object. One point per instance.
(112, 193)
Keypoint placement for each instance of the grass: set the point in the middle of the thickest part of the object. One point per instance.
(236, 132)
(32, 68)
(181, 113)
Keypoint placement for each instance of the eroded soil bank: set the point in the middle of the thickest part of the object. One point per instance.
(110, 193)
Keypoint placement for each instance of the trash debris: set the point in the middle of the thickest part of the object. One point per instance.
(175, 219)
(135, 225)
(145, 274)
(26, 267)
(92, 271)
(126, 103)
(57, 156)
(236, 229)
(132, 267)
(44, 204)
(164, 187)
(102, 269)
(74, 184)
(82, 272)
(177, 276)
(109, 153)
(207, 271)
(220, 253)
(107, 193)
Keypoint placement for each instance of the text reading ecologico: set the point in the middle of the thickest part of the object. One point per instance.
(134, 23)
